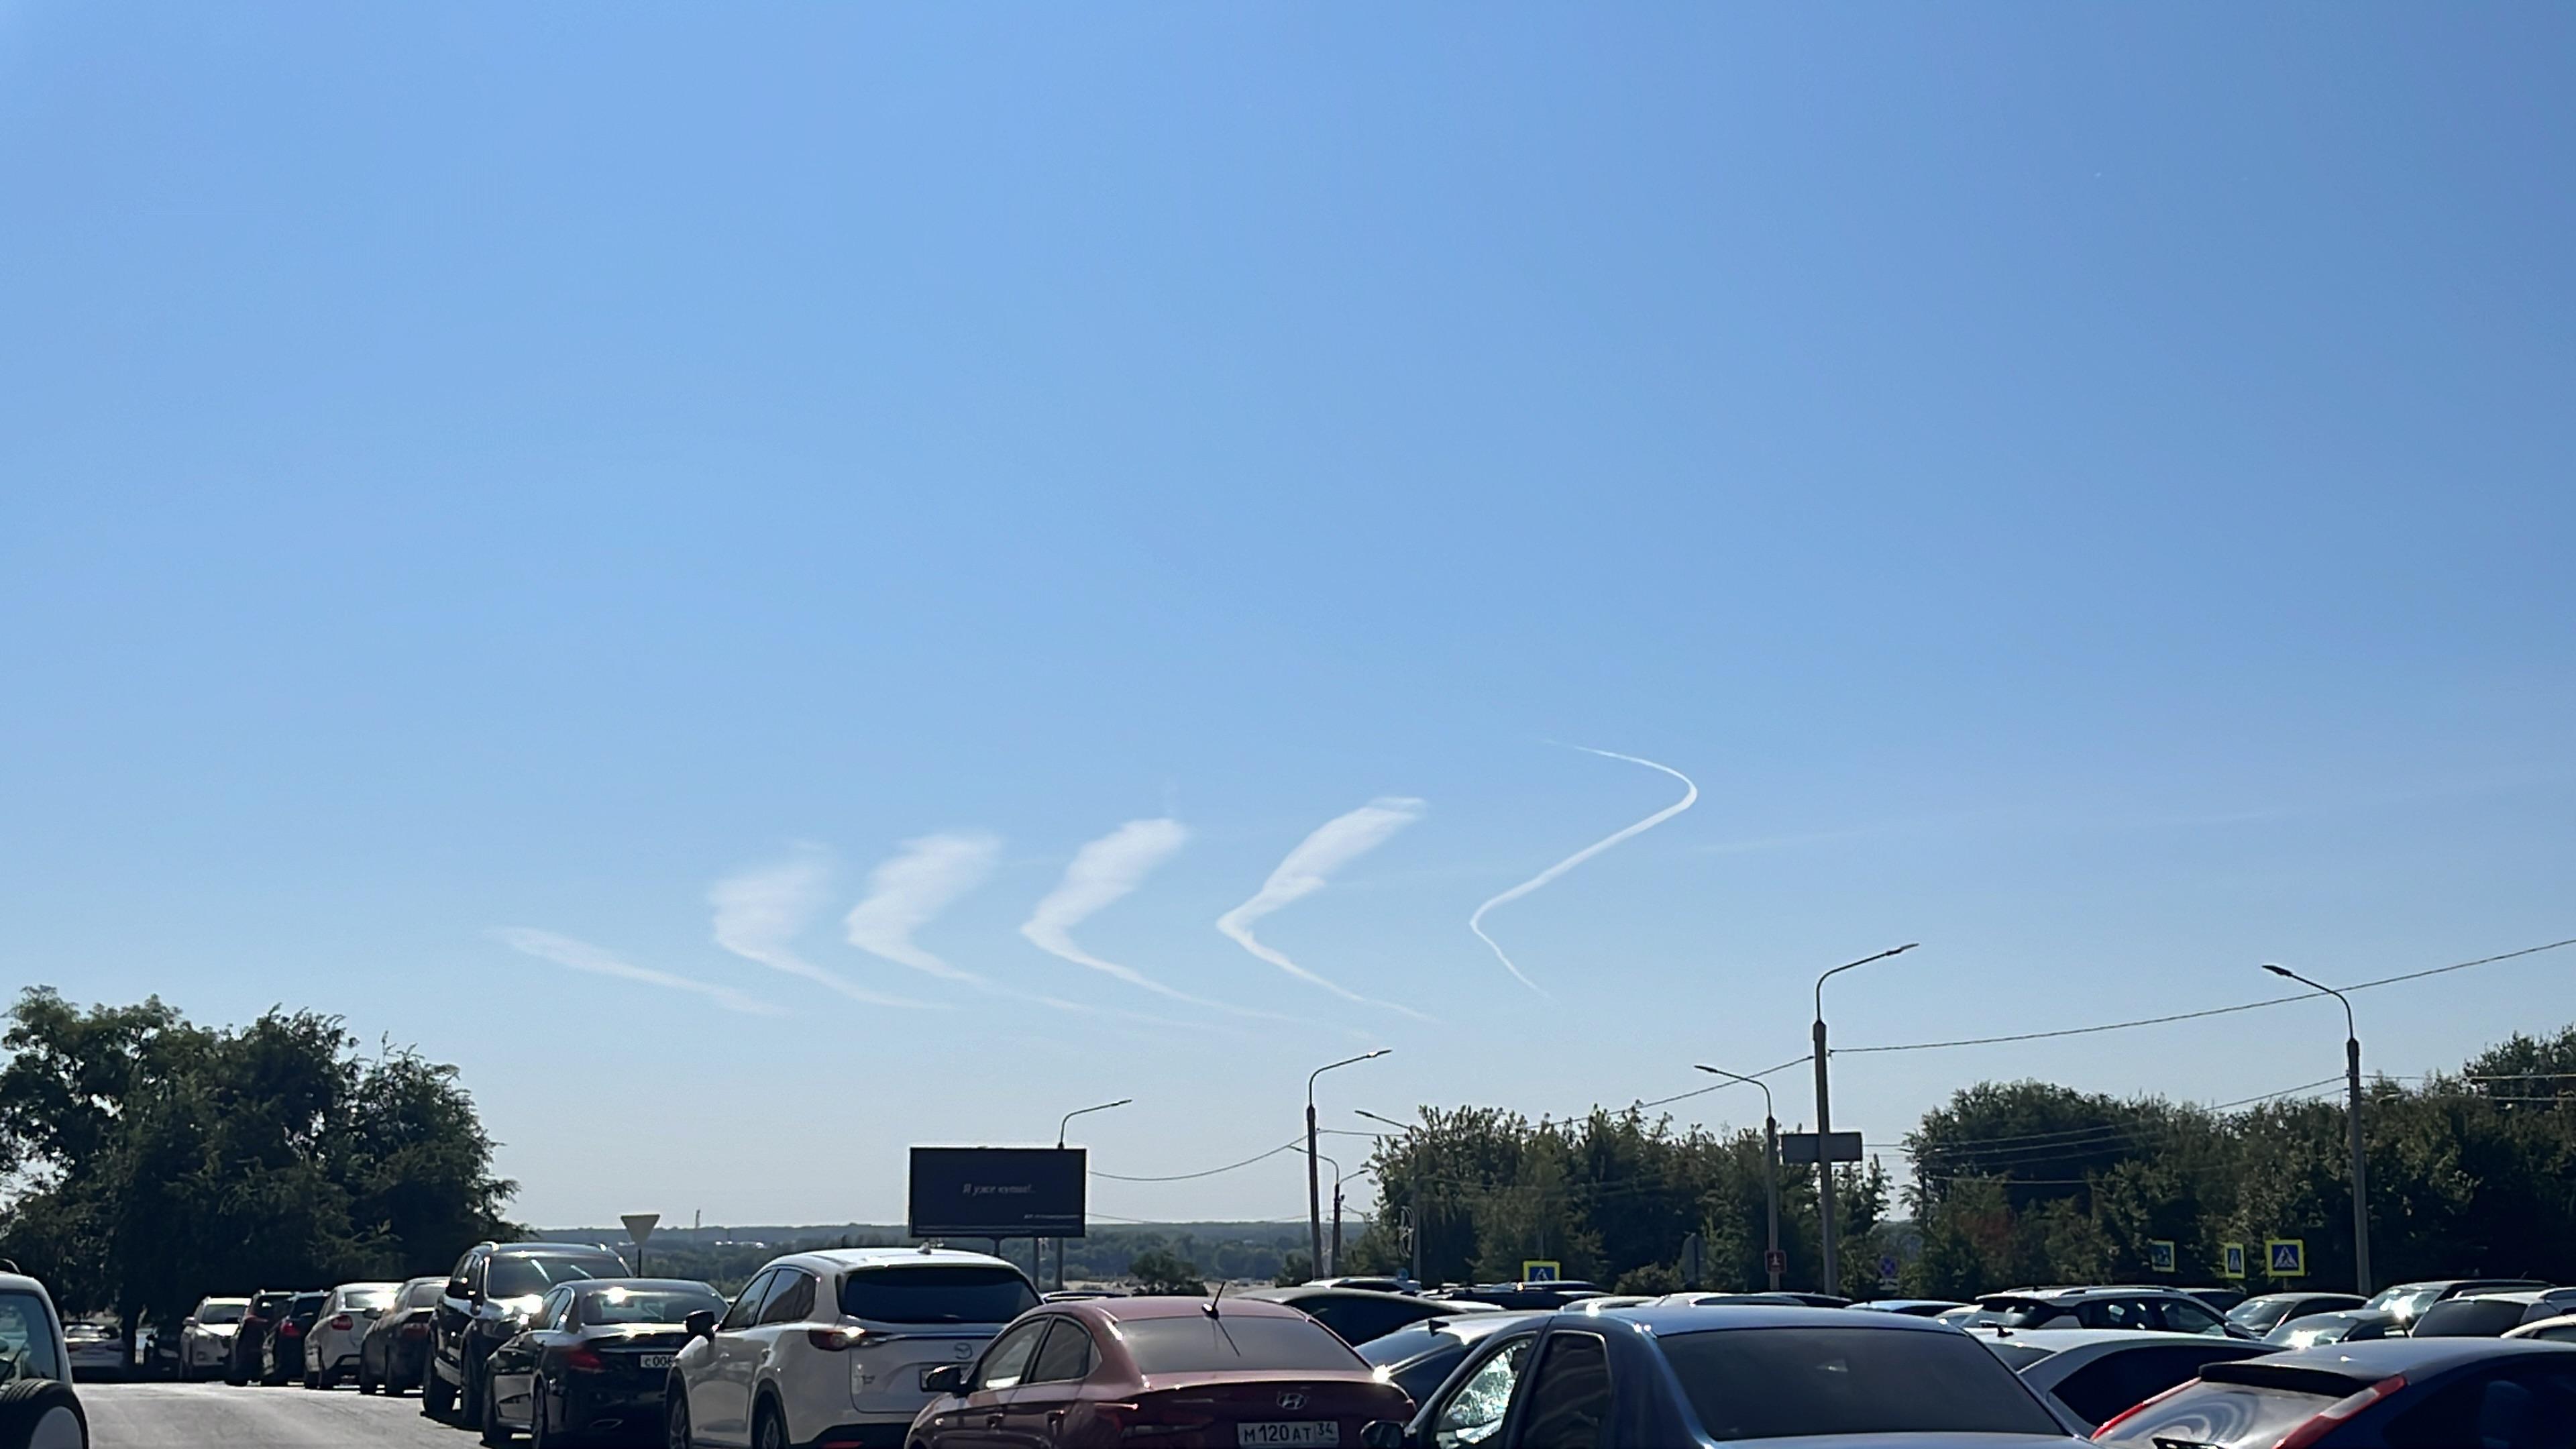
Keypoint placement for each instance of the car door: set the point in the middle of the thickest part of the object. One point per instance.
(1033, 1415)
(1471, 1409)
(1567, 1405)
(979, 1418)
(720, 1397)
(812, 1385)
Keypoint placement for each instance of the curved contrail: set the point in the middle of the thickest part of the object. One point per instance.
(1690, 797)
(1309, 868)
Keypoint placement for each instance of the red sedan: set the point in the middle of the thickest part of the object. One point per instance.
(1178, 1373)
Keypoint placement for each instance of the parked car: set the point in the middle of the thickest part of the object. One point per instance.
(595, 1361)
(1911, 1307)
(206, 1336)
(2407, 1300)
(2553, 1330)
(2224, 1300)
(2095, 1374)
(331, 1344)
(38, 1405)
(2270, 1311)
(2360, 1325)
(2491, 1314)
(1164, 1371)
(1519, 1295)
(250, 1340)
(1358, 1314)
(95, 1351)
(283, 1358)
(394, 1351)
(2455, 1393)
(2163, 1310)
(486, 1302)
(1373, 1285)
(1419, 1358)
(1668, 1375)
(833, 1346)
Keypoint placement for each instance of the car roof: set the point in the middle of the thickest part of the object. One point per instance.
(230, 1301)
(2059, 1340)
(2532, 1329)
(518, 1250)
(2381, 1357)
(640, 1285)
(2082, 1295)
(21, 1283)
(1125, 1310)
(841, 1260)
(1305, 1291)
(1666, 1319)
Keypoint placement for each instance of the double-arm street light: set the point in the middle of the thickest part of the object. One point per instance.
(1771, 1168)
(1825, 1124)
(2360, 1166)
(1314, 1185)
(1060, 1129)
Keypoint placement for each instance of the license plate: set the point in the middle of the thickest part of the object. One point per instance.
(1293, 1432)
(654, 1361)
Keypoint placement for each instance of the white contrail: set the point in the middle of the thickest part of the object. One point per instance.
(1102, 872)
(1309, 868)
(1690, 797)
(907, 891)
(583, 956)
(760, 912)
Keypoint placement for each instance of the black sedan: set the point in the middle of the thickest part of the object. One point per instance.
(594, 1362)
(250, 1340)
(283, 1359)
(1358, 1314)
(1420, 1357)
(395, 1351)
(2510, 1393)
(1664, 1377)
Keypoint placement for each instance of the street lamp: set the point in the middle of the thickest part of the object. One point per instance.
(1327, 1269)
(1059, 1146)
(2360, 1167)
(1825, 1123)
(1771, 1168)
(1314, 1187)
(1413, 1209)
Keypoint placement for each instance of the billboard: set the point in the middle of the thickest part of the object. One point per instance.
(998, 1192)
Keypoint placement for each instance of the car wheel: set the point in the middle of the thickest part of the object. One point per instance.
(366, 1380)
(537, 1431)
(470, 1391)
(41, 1414)
(769, 1428)
(675, 1420)
(437, 1395)
(495, 1433)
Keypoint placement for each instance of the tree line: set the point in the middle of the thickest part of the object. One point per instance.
(147, 1161)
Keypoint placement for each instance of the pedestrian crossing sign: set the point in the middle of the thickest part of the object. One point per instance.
(2160, 1255)
(2286, 1257)
(2232, 1255)
(1540, 1270)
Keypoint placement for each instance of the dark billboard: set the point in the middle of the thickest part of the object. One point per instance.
(998, 1192)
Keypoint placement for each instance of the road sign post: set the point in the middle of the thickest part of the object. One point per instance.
(639, 1226)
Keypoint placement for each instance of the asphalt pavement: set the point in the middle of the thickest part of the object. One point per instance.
(184, 1416)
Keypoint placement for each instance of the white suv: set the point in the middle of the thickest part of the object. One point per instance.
(37, 1405)
(206, 1338)
(331, 1344)
(831, 1347)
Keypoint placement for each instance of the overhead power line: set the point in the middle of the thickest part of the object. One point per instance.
(1289, 1146)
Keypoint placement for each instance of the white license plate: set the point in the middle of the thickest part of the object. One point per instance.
(654, 1361)
(1294, 1432)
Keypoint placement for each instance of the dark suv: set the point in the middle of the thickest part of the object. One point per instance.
(489, 1300)
(284, 1360)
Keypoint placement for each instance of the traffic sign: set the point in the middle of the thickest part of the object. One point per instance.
(2160, 1255)
(1775, 1262)
(1887, 1271)
(2232, 1257)
(1540, 1270)
(639, 1226)
(2288, 1257)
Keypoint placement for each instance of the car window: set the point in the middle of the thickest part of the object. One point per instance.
(1205, 1343)
(2562, 1333)
(421, 1295)
(517, 1276)
(647, 1305)
(2518, 1407)
(1358, 1320)
(1784, 1382)
(747, 1307)
(375, 1296)
(1007, 1363)
(792, 1300)
(2469, 1318)
(1569, 1395)
(2181, 1315)
(555, 1314)
(1065, 1356)
(26, 1339)
(948, 1293)
(220, 1313)
(2116, 1381)
(2118, 1313)
(1475, 1410)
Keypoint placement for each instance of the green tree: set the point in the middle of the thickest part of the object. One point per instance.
(1159, 1270)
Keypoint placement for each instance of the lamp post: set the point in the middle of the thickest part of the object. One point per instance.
(2360, 1165)
(1770, 1166)
(1060, 1128)
(1825, 1123)
(1413, 1209)
(1314, 1186)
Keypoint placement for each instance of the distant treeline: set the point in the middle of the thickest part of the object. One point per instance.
(728, 1256)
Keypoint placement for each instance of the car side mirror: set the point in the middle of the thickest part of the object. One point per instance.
(459, 1288)
(948, 1378)
(1382, 1434)
(701, 1324)
(187, 1323)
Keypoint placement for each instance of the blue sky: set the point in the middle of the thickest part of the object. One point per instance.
(2086, 489)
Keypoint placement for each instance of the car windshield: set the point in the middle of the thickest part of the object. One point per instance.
(2021, 1313)
(221, 1313)
(26, 1339)
(1409, 1342)
(520, 1276)
(635, 1305)
(923, 1293)
(2469, 1318)
(1780, 1383)
(2016, 1354)
(306, 1305)
(424, 1293)
(1219, 1342)
(364, 1299)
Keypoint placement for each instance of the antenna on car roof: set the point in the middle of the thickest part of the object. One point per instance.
(1209, 1307)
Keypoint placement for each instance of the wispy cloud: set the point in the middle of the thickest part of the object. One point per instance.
(1308, 869)
(583, 956)
(1690, 797)
(905, 893)
(1103, 872)
(761, 910)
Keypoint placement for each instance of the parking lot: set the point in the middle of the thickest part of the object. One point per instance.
(157, 1416)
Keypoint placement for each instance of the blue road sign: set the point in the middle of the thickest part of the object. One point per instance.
(2287, 1257)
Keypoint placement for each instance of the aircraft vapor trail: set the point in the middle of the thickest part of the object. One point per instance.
(1308, 869)
(1690, 797)
(1103, 872)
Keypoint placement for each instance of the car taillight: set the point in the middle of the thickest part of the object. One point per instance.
(341, 1323)
(835, 1339)
(2333, 1416)
(585, 1360)
(289, 1330)
(415, 1330)
(2134, 1410)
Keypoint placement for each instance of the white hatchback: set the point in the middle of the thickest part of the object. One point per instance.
(832, 1346)
(206, 1338)
(331, 1344)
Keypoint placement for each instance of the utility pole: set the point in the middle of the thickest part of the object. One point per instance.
(1825, 1124)
(2352, 1122)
